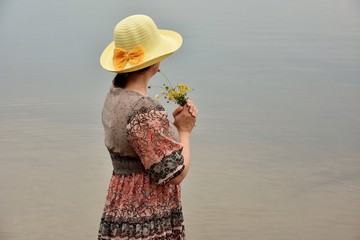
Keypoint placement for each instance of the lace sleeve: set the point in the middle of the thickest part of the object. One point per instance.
(149, 135)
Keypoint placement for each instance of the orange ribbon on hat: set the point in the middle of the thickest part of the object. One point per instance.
(121, 57)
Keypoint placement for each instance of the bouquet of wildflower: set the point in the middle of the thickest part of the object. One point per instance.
(177, 94)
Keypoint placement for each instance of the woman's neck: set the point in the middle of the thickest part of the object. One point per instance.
(138, 83)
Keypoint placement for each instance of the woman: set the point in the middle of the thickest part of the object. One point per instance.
(150, 155)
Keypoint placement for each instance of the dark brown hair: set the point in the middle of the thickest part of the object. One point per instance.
(120, 80)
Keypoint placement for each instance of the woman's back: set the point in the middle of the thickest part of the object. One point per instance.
(117, 108)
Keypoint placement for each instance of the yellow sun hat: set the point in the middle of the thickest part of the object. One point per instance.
(138, 43)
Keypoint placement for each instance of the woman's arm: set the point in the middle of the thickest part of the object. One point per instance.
(185, 141)
(185, 118)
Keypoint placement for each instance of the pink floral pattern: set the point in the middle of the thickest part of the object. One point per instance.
(149, 135)
(136, 208)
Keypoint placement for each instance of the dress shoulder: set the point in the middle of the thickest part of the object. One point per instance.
(143, 105)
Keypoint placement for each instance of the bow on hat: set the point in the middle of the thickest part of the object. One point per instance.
(121, 57)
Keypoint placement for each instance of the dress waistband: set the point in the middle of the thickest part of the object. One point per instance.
(125, 164)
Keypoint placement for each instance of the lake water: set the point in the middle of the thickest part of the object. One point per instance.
(276, 149)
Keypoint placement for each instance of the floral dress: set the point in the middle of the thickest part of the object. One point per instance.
(141, 203)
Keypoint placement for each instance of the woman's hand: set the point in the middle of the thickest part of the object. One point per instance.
(192, 109)
(185, 117)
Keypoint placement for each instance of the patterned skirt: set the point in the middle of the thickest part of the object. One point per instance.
(138, 208)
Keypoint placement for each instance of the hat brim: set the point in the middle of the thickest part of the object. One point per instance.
(170, 42)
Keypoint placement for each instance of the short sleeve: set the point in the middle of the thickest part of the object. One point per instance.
(149, 134)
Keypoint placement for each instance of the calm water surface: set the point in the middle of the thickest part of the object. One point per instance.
(276, 150)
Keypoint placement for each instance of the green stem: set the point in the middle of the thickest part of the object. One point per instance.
(166, 78)
(156, 87)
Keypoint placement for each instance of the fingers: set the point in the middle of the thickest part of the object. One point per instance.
(177, 111)
(192, 108)
(184, 121)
